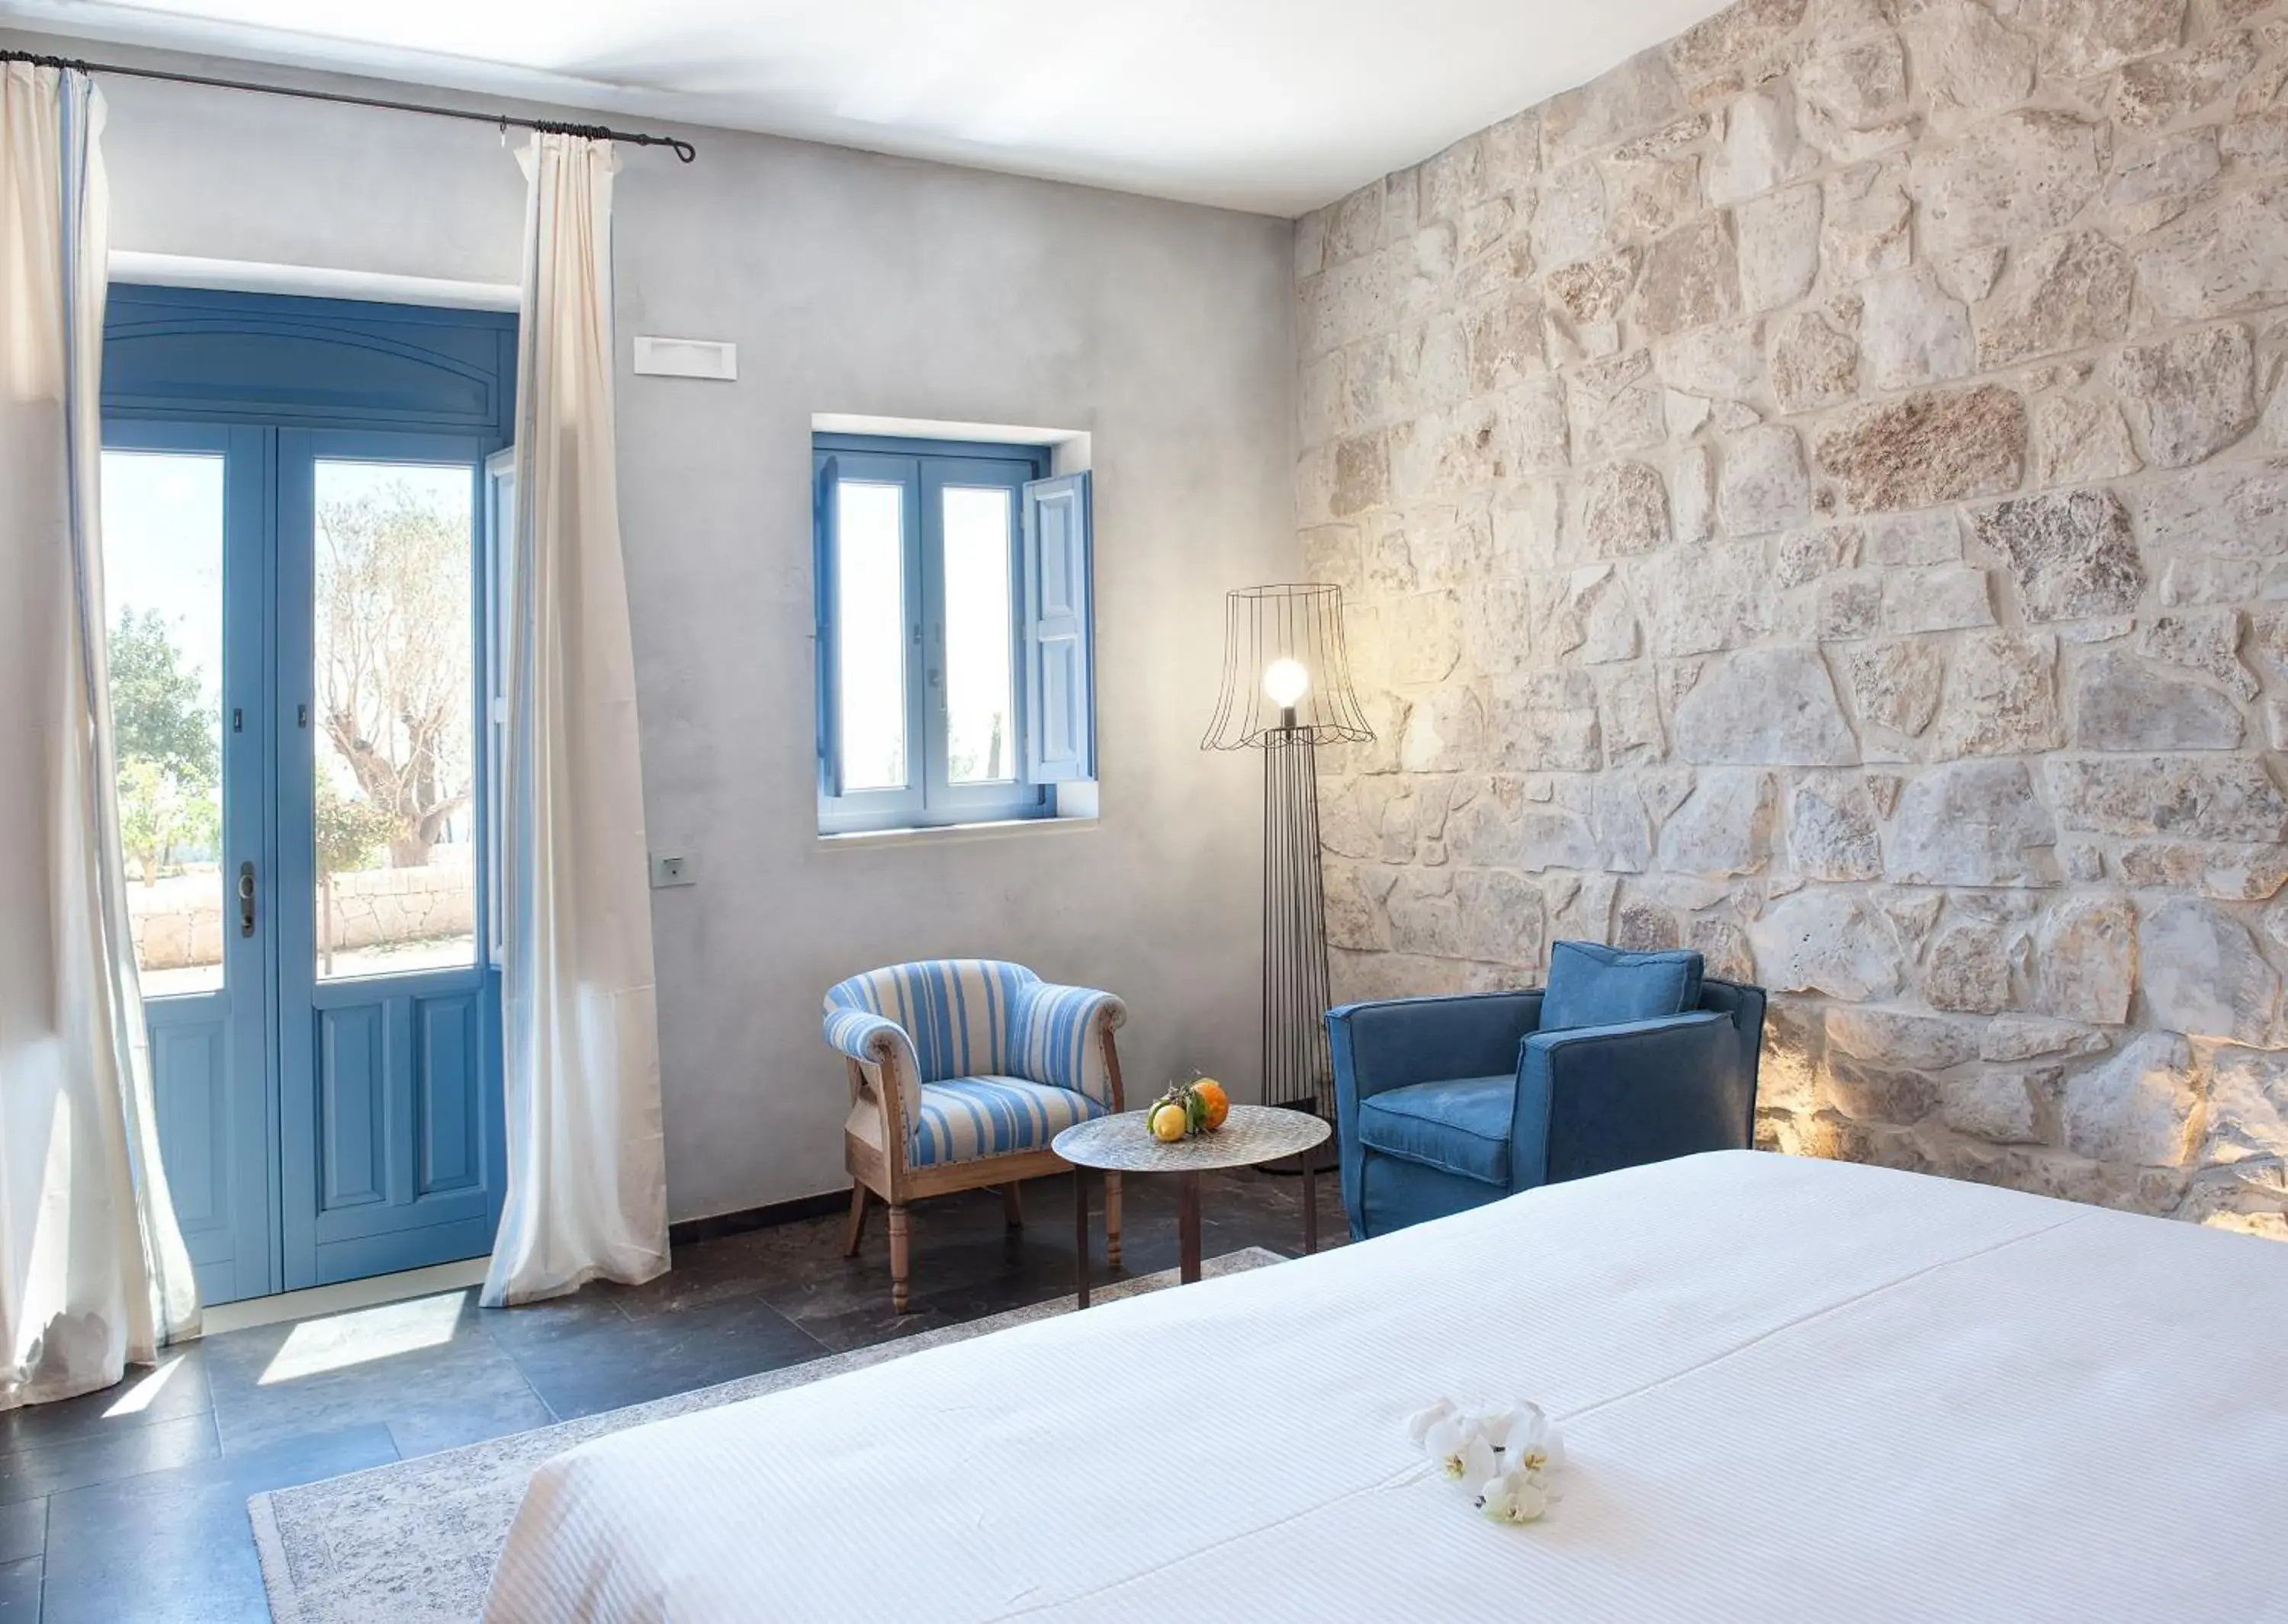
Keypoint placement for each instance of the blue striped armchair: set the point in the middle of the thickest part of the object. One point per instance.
(961, 1072)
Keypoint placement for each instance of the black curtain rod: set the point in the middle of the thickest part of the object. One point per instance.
(682, 149)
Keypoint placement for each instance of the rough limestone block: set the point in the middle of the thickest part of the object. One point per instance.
(1967, 968)
(2007, 1105)
(2248, 1105)
(2139, 1106)
(1970, 823)
(2001, 696)
(1773, 707)
(2090, 36)
(2221, 262)
(1939, 445)
(2121, 703)
(2202, 974)
(1911, 331)
(2192, 395)
(1826, 941)
(1921, 1043)
(1895, 685)
(2007, 178)
(1725, 828)
(2065, 292)
(1778, 247)
(2197, 797)
(2072, 554)
(2086, 961)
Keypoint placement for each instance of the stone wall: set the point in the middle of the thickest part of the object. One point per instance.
(1815, 493)
(178, 924)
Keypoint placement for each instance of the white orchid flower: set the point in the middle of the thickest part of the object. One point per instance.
(1460, 1448)
(1419, 1425)
(1530, 1440)
(1515, 1497)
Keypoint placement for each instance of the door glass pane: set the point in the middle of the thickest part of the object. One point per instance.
(870, 633)
(163, 519)
(978, 711)
(393, 692)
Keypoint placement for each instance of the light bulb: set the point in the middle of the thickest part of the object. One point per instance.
(1284, 682)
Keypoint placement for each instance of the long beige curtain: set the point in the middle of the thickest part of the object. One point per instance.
(94, 1274)
(587, 1186)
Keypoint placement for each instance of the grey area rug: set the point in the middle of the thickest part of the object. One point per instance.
(416, 1543)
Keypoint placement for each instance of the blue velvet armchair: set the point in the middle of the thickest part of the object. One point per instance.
(1447, 1103)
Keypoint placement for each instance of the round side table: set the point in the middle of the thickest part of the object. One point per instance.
(1249, 1136)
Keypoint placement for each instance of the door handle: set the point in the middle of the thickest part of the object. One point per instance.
(246, 899)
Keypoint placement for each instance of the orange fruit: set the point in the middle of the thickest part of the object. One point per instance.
(1216, 1103)
(1169, 1122)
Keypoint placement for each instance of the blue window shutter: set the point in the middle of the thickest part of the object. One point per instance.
(829, 759)
(1058, 671)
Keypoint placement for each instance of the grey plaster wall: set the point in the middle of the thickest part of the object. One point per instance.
(853, 283)
(1815, 493)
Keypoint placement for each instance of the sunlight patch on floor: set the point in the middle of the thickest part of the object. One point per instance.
(340, 1341)
(140, 1392)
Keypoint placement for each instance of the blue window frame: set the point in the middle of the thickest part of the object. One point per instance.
(953, 676)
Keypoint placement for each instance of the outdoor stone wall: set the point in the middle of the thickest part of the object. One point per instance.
(178, 924)
(1817, 494)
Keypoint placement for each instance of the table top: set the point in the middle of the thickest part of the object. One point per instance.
(1251, 1134)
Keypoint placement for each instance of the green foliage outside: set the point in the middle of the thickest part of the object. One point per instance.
(163, 736)
(350, 833)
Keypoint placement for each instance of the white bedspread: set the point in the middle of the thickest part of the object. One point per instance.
(1792, 1390)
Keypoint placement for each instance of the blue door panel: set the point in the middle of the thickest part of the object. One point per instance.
(447, 1133)
(195, 1118)
(353, 1091)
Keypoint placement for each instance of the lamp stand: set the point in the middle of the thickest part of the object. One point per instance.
(1298, 1071)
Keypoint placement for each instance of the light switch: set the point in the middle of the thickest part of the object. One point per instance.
(672, 868)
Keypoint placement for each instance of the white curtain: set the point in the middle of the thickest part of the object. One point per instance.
(587, 1183)
(94, 1274)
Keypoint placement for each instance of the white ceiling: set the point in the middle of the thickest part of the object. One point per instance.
(1275, 105)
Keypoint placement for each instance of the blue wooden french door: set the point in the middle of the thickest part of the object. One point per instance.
(299, 558)
(388, 1007)
(186, 593)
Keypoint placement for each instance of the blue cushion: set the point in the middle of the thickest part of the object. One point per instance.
(1591, 984)
(1456, 1125)
(965, 1118)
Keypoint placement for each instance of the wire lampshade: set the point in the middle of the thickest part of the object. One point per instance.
(1286, 669)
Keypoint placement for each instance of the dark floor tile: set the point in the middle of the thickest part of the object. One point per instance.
(844, 1330)
(426, 1369)
(28, 1474)
(743, 1265)
(579, 1369)
(174, 1546)
(169, 1390)
(19, 1591)
(446, 1415)
(23, 1530)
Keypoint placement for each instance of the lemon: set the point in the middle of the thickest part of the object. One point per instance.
(1170, 1122)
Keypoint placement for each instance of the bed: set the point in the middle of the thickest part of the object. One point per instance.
(1792, 1390)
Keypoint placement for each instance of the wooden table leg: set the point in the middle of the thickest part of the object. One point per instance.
(1080, 1234)
(1310, 1201)
(1187, 1227)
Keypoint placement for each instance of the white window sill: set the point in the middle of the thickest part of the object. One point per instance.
(950, 834)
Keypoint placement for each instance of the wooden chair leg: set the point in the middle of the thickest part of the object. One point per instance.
(1013, 1205)
(900, 1256)
(855, 1230)
(1112, 1219)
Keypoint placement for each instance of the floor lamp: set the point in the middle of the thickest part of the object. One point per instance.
(1286, 690)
